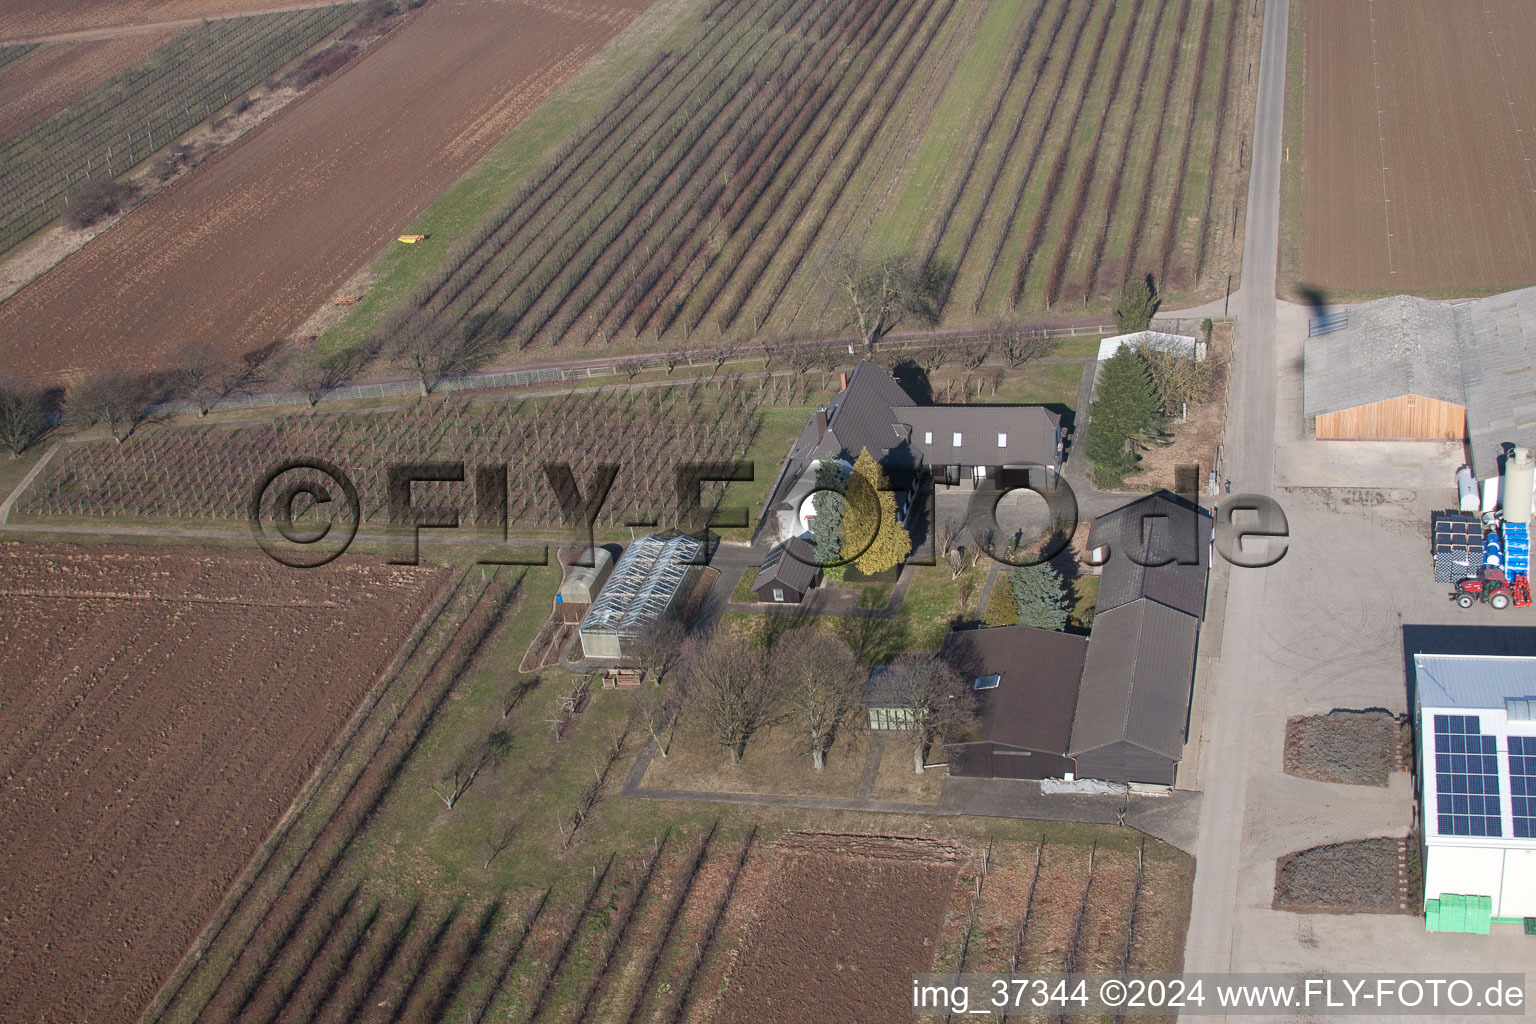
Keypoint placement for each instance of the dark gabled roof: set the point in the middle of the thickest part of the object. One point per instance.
(1136, 680)
(863, 415)
(1032, 706)
(793, 568)
(1156, 528)
(1031, 432)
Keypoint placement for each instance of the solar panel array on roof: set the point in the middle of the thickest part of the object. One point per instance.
(1466, 778)
(1522, 785)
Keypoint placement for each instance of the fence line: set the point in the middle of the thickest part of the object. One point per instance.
(492, 380)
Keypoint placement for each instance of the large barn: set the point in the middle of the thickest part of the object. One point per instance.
(1393, 374)
(1132, 714)
(1413, 369)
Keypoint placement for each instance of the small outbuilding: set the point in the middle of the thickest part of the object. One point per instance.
(582, 584)
(787, 574)
(1026, 682)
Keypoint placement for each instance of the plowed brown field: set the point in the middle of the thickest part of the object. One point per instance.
(1419, 129)
(159, 711)
(843, 923)
(241, 252)
(49, 79)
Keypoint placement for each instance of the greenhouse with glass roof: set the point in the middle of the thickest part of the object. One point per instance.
(650, 581)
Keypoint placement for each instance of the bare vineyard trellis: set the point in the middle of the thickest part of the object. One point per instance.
(693, 202)
(208, 472)
(684, 216)
(141, 111)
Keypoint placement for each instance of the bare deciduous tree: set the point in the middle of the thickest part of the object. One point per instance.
(200, 373)
(658, 647)
(22, 417)
(657, 707)
(975, 353)
(429, 346)
(463, 770)
(631, 368)
(823, 687)
(312, 374)
(730, 686)
(721, 354)
(116, 398)
(1022, 346)
(881, 291)
(937, 701)
(498, 839)
(1178, 377)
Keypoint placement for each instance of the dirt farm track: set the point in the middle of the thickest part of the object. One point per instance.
(159, 710)
(242, 251)
(1419, 126)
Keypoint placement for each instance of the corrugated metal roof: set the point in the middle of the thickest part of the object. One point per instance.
(1030, 432)
(1497, 337)
(1137, 677)
(1395, 346)
(1473, 681)
(1155, 528)
(863, 415)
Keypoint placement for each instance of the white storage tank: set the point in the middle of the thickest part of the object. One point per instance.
(1519, 477)
(1466, 488)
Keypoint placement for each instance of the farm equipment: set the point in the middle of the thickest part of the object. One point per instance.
(410, 239)
(1492, 587)
(347, 300)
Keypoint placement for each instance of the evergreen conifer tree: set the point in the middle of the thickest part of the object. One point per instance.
(1041, 596)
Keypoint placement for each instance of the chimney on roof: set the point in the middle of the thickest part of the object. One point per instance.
(845, 382)
(821, 423)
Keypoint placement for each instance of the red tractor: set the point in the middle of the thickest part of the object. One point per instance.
(1491, 586)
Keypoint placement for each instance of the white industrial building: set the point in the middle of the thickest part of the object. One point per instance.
(1476, 766)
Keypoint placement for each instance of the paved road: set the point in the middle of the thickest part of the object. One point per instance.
(1238, 676)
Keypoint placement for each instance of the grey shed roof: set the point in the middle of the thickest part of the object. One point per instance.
(1498, 366)
(1030, 431)
(1392, 347)
(1136, 680)
(643, 584)
(1155, 528)
(1472, 681)
(791, 564)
